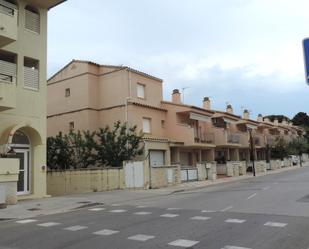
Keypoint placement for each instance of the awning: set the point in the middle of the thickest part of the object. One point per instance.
(200, 117)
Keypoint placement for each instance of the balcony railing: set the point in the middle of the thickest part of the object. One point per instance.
(233, 138)
(257, 141)
(206, 138)
(8, 72)
(7, 8)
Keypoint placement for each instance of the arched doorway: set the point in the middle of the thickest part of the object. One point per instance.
(21, 147)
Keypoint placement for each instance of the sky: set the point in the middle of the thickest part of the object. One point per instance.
(247, 53)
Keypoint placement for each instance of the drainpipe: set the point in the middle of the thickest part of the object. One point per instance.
(130, 83)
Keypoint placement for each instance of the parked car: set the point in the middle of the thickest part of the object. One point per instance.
(295, 159)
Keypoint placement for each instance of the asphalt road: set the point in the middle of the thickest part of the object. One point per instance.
(267, 212)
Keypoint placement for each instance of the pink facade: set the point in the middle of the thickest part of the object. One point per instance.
(87, 96)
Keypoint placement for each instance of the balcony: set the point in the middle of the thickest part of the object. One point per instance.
(205, 138)
(8, 23)
(226, 139)
(185, 134)
(258, 141)
(7, 85)
(272, 139)
(233, 138)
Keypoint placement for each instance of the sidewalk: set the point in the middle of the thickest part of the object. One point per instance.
(46, 206)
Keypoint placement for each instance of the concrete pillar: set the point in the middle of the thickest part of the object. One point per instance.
(237, 154)
(248, 155)
(199, 156)
(177, 155)
(210, 155)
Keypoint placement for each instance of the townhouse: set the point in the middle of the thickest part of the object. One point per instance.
(86, 96)
(23, 49)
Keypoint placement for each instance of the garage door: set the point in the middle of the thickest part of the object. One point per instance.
(156, 158)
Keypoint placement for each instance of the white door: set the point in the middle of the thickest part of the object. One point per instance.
(134, 174)
(23, 184)
(156, 158)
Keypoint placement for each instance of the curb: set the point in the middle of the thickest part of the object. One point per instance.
(236, 179)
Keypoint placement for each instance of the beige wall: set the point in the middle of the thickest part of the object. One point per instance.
(84, 181)
(29, 112)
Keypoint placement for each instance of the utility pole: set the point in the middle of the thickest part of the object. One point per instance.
(252, 151)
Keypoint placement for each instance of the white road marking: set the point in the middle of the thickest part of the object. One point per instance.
(265, 188)
(227, 208)
(235, 247)
(106, 232)
(75, 228)
(141, 206)
(169, 215)
(115, 205)
(275, 224)
(118, 211)
(96, 209)
(183, 243)
(208, 211)
(173, 208)
(276, 183)
(251, 196)
(142, 213)
(234, 221)
(49, 224)
(25, 221)
(141, 237)
(200, 218)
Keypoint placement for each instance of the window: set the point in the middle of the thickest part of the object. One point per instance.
(163, 123)
(8, 67)
(31, 73)
(67, 92)
(141, 91)
(146, 125)
(32, 19)
(71, 125)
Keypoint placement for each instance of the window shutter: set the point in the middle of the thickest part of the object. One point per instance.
(31, 78)
(140, 91)
(32, 21)
(8, 71)
(146, 125)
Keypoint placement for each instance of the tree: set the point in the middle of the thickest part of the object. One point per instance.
(298, 147)
(280, 150)
(81, 147)
(73, 150)
(118, 144)
(58, 152)
(301, 119)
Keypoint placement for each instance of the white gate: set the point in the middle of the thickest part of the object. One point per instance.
(134, 174)
(188, 174)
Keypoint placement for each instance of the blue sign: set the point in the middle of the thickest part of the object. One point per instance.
(306, 57)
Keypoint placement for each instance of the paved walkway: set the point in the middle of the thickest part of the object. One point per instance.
(46, 206)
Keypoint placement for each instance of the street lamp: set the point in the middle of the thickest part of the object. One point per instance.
(252, 150)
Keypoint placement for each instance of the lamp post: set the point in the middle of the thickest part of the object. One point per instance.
(252, 151)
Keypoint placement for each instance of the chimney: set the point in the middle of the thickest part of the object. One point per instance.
(206, 103)
(246, 114)
(260, 118)
(276, 122)
(229, 109)
(176, 96)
